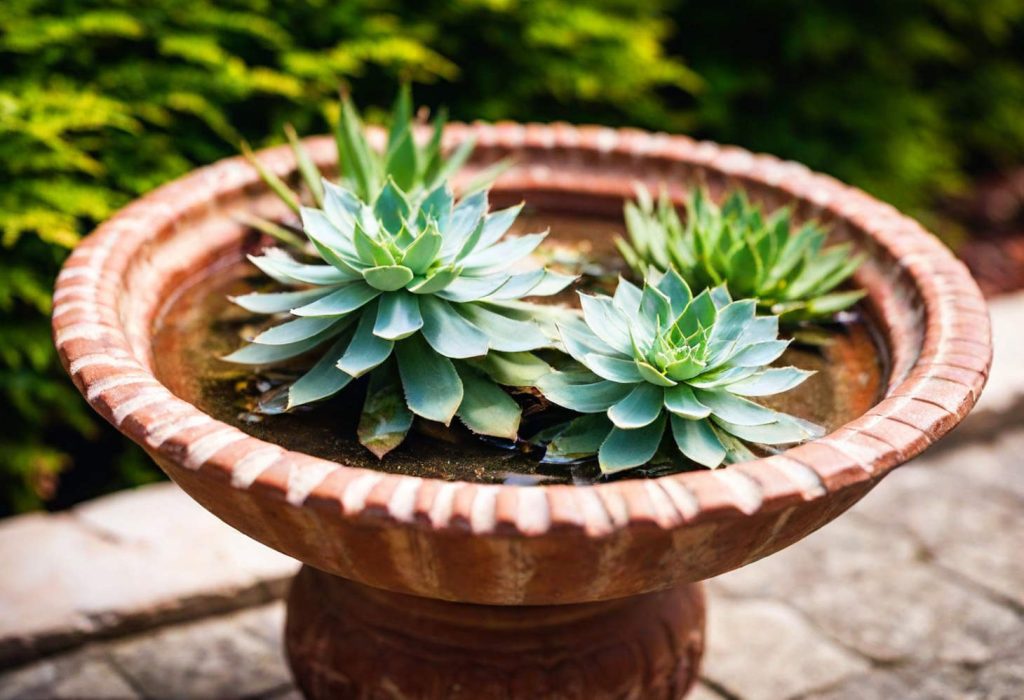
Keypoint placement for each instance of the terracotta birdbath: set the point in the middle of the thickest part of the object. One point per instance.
(419, 587)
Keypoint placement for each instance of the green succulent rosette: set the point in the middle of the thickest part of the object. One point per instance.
(422, 295)
(660, 368)
(790, 273)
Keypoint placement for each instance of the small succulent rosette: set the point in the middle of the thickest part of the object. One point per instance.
(660, 369)
(790, 273)
(424, 296)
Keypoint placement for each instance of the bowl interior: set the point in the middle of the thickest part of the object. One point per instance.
(198, 325)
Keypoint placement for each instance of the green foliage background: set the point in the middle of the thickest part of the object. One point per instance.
(103, 100)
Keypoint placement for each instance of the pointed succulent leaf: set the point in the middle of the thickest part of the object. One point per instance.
(723, 377)
(512, 368)
(625, 449)
(497, 225)
(345, 300)
(503, 254)
(651, 374)
(700, 313)
(607, 323)
(398, 316)
(281, 267)
(385, 419)
(422, 252)
(356, 159)
(582, 437)
(437, 207)
(310, 173)
(732, 320)
(485, 177)
(340, 204)
(391, 206)
(278, 302)
(735, 409)
(294, 331)
(829, 304)
(655, 305)
(387, 278)
(505, 334)
(540, 283)
(284, 234)
(435, 281)
(736, 450)
(486, 409)
(614, 369)
(366, 350)
(465, 217)
(681, 401)
(698, 441)
(580, 341)
(465, 288)
(472, 241)
(580, 394)
(448, 332)
(759, 354)
(401, 157)
(257, 354)
(457, 159)
(783, 431)
(639, 408)
(678, 292)
(370, 251)
(770, 381)
(432, 387)
(627, 298)
(323, 379)
(283, 192)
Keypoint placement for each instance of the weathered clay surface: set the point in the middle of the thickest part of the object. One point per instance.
(346, 640)
(523, 545)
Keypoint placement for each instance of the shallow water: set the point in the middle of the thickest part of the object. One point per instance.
(199, 325)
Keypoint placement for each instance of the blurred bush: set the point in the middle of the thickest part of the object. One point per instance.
(905, 98)
(103, 100)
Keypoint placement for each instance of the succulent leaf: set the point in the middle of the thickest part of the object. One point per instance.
(322, 380)
(385, 419)
(485, 408)
(736, 246)
(659, 356)
(625, 449)
(432, 386)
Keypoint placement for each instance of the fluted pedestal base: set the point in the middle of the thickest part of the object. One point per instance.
(346, 640)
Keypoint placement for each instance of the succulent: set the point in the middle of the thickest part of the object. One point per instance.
(790, 275)
(416, 168)
(661, 360)
(424, 296)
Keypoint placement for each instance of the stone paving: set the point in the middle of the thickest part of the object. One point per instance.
(917, 592)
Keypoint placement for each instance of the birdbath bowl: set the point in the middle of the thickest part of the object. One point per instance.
(424, 588)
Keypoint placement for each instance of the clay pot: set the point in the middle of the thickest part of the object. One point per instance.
(429, 589)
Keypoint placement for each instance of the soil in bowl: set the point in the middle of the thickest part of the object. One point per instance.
(199, 325)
